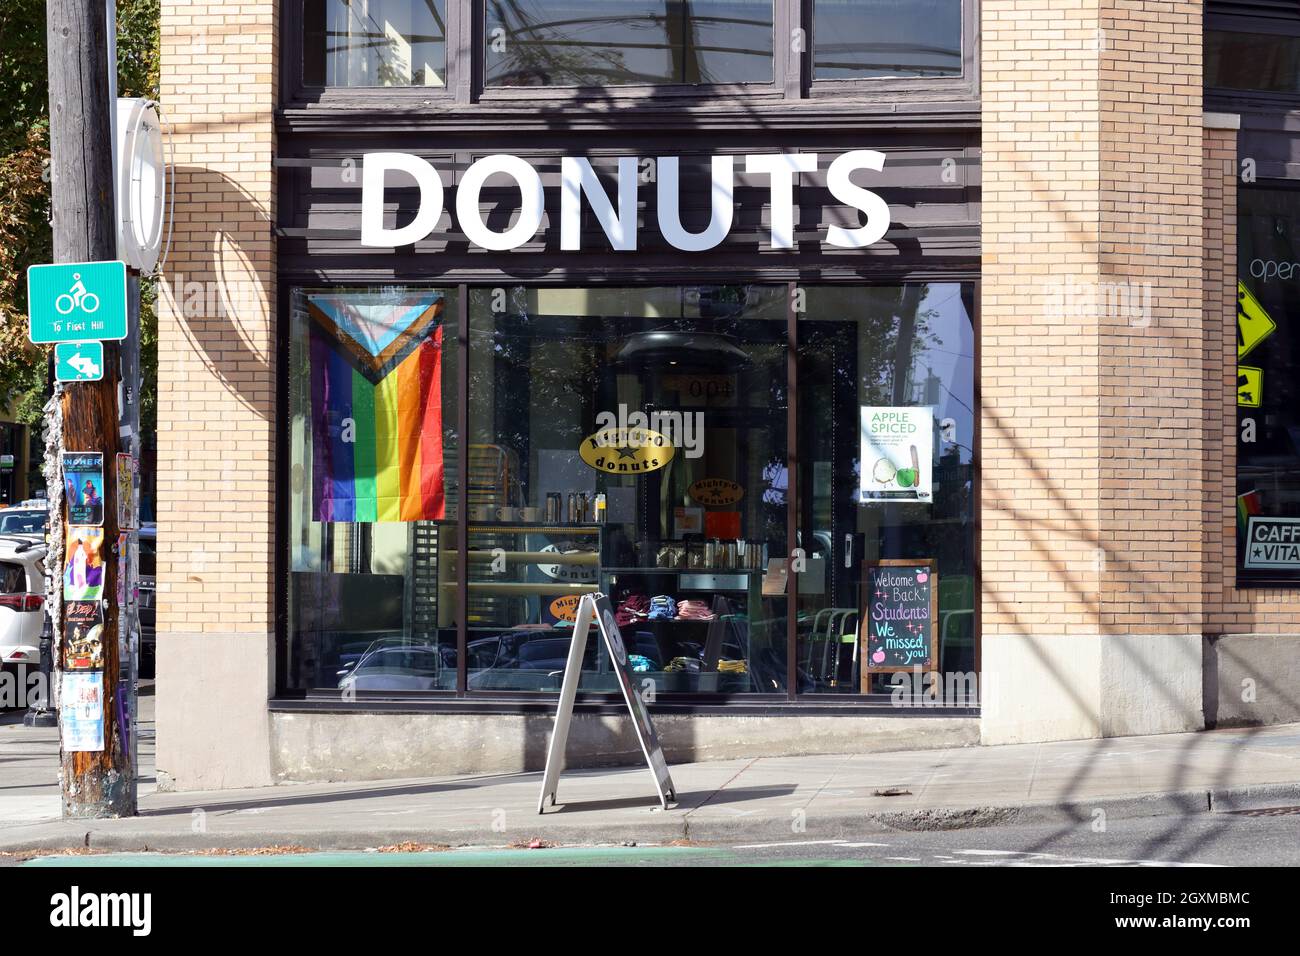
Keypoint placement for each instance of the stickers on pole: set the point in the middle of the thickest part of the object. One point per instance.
(83, 486)
(128, 492)
(81, 712)
(83, 573)
(1254, 324)
(128, 570)
(79, 361)
(896, 455)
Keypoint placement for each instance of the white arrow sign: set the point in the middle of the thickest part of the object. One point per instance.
(86, 366)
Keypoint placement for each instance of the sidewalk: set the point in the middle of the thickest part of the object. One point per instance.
(824, 797)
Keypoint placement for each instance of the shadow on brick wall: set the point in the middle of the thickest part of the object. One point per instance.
(219, 286)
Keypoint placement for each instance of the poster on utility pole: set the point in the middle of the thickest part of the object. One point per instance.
(81, 711)
(83, 571)
(83, 484)
(897, 447)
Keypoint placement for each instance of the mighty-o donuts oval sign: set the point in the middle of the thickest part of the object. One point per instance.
(716, 491)
(626, 451)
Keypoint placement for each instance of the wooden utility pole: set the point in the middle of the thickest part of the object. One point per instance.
(93, 783)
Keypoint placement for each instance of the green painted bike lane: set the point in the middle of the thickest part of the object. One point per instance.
(487, 857)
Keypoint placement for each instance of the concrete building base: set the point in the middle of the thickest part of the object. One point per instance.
(211, 718)
(1040, 687)
(1252, 679)
(320, 747)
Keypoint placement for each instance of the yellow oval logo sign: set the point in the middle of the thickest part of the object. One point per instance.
(565, 608)
(716, 491)
(626, 451)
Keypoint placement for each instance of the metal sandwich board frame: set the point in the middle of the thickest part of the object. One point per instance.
(596, 607)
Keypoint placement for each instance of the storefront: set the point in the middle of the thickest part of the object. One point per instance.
(840, 343)
(659, 357)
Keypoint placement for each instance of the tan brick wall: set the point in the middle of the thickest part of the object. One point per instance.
(1220, 361)
(1091, 398)
(216, 395)
(1149, 357)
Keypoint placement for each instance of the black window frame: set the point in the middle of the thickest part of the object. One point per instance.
(1248, 579)
(965, 86)
(792, 75)
(297, 92)
(1233, 98)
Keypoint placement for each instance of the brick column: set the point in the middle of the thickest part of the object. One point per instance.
(216, 398)
(1091, 369)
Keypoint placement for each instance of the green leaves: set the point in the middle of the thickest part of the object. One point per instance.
(25, 195)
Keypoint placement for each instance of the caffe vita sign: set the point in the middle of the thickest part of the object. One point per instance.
(618, 216)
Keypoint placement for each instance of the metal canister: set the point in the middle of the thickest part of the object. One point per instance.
(571, 513)
(552, 513)
(729, 558)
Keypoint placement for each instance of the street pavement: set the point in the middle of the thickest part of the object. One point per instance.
(1210, 840)
(1081, 788)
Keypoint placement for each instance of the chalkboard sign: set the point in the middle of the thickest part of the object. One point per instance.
(899, 626)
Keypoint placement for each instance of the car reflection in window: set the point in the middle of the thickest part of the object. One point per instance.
(400, 668)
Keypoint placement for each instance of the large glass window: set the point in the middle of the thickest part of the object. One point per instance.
(899, 360)
(564, 501)
(863, 39)
(1267, 62)
(633, 442)
(374, 43)
(1268, 386)
(373, 490)
(623, 42)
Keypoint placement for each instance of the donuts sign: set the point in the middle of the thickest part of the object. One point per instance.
(617, 214)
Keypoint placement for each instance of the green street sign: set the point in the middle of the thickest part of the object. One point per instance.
(76, 301)
(79, 361)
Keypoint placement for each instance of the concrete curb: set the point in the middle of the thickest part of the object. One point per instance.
(60, 835)
(1258, 797)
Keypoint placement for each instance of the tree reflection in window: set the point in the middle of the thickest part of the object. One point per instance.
(362, 43)
(628, 42)
(863, 39)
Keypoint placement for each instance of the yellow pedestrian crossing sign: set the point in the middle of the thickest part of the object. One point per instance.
(1250, 386)
(1253, 324)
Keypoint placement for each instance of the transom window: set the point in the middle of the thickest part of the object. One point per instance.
(620, 42)
(776, 46)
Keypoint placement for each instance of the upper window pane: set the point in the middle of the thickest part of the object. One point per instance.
(624, 42)
(1252, 61)
(862, 39)
(375, 43)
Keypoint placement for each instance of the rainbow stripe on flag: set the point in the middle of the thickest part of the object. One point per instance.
(1247, 505)
(376, 403)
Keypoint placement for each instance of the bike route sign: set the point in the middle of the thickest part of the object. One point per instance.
(79, 361)
(76, 302)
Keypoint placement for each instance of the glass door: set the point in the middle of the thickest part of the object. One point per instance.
(886, 510)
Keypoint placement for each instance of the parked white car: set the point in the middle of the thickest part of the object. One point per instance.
(22, 599)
